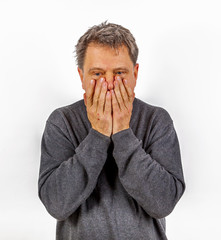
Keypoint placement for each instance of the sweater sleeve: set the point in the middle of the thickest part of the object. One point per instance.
(153, 177)
(68, 175)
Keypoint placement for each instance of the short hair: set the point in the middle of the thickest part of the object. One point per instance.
(106, 34)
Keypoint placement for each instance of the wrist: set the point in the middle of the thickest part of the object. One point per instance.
(120, 129)
(106, 133)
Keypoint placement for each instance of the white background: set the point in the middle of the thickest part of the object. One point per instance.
(180, 70)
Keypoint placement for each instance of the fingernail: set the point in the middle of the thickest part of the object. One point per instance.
(125, 81)
(104, 85)
(118, 78)
(101, 80)
(92, 81)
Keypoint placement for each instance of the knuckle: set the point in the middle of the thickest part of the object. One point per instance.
(89, 97)
(118, 111)
(92, 111)
(95, 98)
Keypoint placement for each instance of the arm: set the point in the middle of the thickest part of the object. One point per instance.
(154, 177)
(67, 175)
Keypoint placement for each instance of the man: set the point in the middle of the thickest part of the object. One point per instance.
(110, 164)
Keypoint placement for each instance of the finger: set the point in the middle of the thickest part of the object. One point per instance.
(97, 92)
(114, 101)
(130, 93)
(118, 94)
(107, 108)
(123, 90)
(89, 93)
(101, 101)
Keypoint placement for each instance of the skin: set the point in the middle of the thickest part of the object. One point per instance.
(109, 79)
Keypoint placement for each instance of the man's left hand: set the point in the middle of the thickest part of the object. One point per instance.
(122, 105)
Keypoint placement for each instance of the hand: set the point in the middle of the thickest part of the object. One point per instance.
(122, 105)
(98, 102)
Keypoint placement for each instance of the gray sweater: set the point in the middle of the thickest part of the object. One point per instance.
(117, 188)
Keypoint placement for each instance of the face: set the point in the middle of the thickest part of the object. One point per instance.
(103, 61)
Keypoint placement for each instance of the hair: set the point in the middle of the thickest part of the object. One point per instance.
(106, 34)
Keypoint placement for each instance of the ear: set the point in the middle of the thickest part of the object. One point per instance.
(81, 74)
(136, 68)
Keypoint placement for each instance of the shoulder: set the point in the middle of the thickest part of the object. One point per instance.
(154, 114)
(65, 114)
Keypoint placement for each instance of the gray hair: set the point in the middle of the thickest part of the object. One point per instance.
(106, 34)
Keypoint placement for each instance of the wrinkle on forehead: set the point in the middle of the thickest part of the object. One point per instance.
(116, 49)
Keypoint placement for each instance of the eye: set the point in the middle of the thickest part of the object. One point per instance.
(120, 72)
(97, 74)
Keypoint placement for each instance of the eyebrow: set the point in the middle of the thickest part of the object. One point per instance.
(122, 68)
(95, 69)
(115, 69)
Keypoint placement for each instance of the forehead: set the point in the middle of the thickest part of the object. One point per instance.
(105, 56)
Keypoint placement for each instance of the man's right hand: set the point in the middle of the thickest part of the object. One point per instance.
(98, 102)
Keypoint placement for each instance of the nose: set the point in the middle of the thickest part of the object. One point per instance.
(110, 81)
